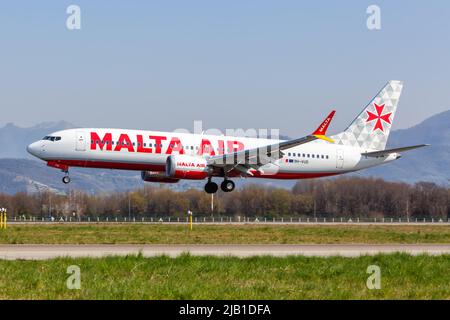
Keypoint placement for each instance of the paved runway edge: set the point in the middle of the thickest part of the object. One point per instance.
(43, 251)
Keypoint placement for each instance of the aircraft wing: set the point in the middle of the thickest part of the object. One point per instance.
(245, 160)
(386, 152)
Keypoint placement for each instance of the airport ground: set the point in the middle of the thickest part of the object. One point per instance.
(403, 276)
(138, 233)
(186, 277)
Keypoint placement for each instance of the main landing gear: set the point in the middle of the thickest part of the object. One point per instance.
(226, 186)
(66, 178)
(211, 187)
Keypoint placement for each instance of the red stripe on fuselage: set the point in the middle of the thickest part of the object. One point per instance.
(154, 167)
(111, 165)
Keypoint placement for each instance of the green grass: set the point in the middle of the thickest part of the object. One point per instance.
(188, 277)
(222, 234)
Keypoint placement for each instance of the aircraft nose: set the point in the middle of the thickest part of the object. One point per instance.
(33, 148)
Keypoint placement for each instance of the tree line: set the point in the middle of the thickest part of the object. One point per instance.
(342, 197)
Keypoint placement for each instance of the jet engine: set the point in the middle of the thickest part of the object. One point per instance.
(186, 167)
(157, 176)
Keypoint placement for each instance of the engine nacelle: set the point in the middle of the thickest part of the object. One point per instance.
(186, 167)
(157, 176)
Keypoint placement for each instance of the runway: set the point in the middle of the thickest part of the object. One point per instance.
(39, 252)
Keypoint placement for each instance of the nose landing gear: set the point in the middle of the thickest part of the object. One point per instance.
(225, 186)
(66, 178)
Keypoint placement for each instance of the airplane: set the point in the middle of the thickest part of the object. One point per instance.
(167, 157)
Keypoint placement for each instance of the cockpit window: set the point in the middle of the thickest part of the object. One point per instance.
(51, 138)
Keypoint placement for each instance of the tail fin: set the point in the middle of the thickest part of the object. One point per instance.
(370, 130)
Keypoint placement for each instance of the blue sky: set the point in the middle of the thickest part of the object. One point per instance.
(232, 64)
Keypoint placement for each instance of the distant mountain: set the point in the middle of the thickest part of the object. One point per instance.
(28, 174)
(34, 176)
(428, 164)
(14, 139)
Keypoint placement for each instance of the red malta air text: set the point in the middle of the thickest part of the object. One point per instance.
(105, 143)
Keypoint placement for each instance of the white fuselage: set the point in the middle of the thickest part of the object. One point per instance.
(149, 150)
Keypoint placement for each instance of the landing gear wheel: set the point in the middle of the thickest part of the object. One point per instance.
(211, 187)
(227, 186)
(66, 179)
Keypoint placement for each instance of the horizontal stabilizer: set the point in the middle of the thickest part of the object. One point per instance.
(386, 152)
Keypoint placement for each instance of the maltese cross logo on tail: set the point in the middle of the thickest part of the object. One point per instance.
(379, 116)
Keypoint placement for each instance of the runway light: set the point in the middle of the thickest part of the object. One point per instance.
(190, 219)
(3, 218)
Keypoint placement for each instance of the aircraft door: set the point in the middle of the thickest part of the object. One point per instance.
(339, 158)
(80, 144)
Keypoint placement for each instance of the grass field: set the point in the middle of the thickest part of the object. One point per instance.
(222, 234)
(188, 277)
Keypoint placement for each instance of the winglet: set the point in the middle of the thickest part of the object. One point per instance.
(322, 129)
